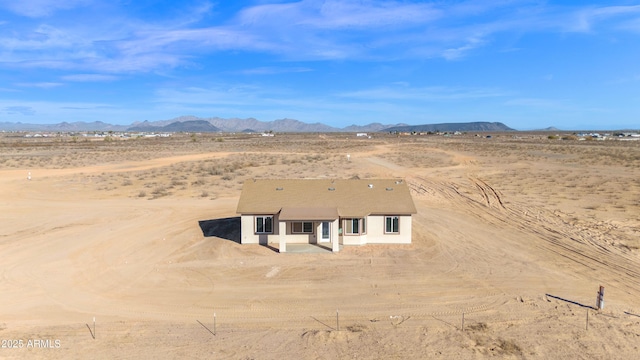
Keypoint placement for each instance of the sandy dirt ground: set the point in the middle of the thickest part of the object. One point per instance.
(512, 239)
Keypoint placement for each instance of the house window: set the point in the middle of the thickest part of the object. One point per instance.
(391, 224)
(264, 224)
(302, 227)
(354, 226)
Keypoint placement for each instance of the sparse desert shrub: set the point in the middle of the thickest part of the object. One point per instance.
(509, 347)
(356, 328)
(198, 182)
(312, 158)
(177, 182)
(160, 191)
(214, 170)
(142, 193)
(233, 167)
(478, 327)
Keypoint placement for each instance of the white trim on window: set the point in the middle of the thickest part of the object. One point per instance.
(264, 224)
(391, 224)
(302, 227)
(355, 226)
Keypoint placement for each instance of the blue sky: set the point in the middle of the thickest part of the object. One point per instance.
(529, 64)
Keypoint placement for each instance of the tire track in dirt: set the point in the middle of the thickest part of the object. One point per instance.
(558, 237)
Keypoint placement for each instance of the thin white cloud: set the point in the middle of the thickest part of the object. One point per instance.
(304, 30)
(270, 70)
(18, 110)
(459, 52)
(182, 40)
(434, 93)
(543, 104)
(250, 94)
(42, 37)
(253, 101)
(193, 14)
(55, 112)
(239, 94)
(92, 107)
(344, 14)
(40, 8)
(334, 14)
(89, 77)
(586, 19)
(366, 105)
(41, 85)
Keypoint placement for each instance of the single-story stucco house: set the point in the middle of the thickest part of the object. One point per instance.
(333, 212)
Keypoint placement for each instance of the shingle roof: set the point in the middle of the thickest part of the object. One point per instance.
(308, 213)
(351, 198)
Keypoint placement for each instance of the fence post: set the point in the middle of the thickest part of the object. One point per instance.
(600, 299)
(587, 328)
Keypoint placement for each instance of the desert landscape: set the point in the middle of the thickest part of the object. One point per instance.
(513, 237)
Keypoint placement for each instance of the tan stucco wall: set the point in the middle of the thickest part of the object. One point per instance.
(354, 239)
(302, 238)
(375, 232)
(248, 235)
(376, 235)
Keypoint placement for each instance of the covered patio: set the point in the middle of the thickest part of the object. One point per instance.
(308, 248)
(323, 224)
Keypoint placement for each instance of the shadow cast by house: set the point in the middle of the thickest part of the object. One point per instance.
(226, 228)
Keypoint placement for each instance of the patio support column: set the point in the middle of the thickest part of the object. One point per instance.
(335, 238)
(282, 232)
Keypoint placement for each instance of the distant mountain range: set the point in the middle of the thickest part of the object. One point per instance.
(178, 126)
(192, 123)
(216, 124)
(450, 127)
